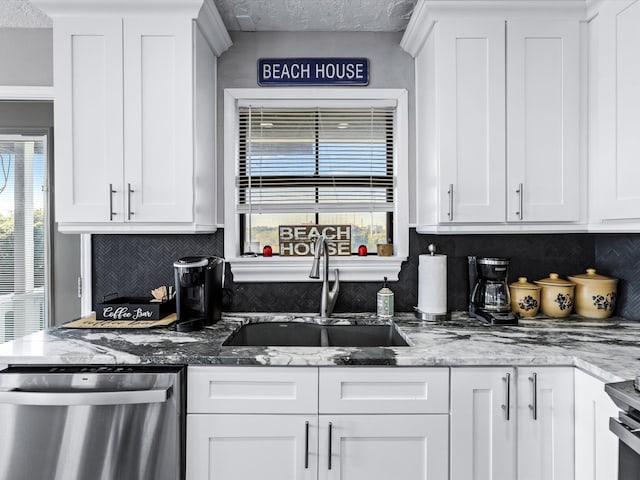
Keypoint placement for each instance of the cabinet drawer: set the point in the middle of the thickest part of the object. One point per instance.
(384, 390)
(252, 390)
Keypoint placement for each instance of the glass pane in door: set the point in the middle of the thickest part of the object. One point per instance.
(22, 235)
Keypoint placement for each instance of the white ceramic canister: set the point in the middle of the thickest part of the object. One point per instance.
(595, 294)
(556, 296)
(525, 297)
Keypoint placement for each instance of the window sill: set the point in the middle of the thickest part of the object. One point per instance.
(296, 269)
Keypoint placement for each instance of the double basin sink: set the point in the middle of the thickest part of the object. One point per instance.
(301, 334)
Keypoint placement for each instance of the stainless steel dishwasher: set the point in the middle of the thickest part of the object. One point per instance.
(92, 423)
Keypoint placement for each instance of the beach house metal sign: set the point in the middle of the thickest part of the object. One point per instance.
(313, 71)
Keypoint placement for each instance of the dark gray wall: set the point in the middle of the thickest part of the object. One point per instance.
(390, 67)
(26, 56)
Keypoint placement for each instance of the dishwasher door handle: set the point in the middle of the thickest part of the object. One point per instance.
(72, 398)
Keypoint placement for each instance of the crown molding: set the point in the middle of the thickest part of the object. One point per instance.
(18, 92)
(428, 12)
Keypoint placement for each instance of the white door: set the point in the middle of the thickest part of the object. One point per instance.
(88, 119)
(543, 119)
(158, 176)
(243, 447)
(380, 447)
(471, 107)
(483, 424)
(545, 423)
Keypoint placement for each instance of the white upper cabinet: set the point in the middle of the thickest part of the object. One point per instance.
(88, 118)
(614, 116)
(543, 120)
(135, 115)
(498, 99)
(158, 173)
(470, 84)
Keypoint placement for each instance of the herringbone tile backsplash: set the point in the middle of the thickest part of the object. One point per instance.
(619, 256)
(132, 265)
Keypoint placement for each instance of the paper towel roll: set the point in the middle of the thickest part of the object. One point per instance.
(432, 284)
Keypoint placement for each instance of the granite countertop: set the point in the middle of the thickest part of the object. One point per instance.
(608, 349)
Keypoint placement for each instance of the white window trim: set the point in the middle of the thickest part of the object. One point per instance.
(296, 269)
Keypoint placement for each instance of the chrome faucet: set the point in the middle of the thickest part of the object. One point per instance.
(328, 300)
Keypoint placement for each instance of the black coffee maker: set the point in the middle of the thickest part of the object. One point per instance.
(489, 299)
(199, 282)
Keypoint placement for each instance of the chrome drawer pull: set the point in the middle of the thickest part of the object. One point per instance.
(507, 406)
(306, 444)
(534, 406)
(111, 192)
(330, 434)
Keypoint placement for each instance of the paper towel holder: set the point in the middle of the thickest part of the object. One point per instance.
(430, 317)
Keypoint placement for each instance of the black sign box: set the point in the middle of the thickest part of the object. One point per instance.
(134, 308)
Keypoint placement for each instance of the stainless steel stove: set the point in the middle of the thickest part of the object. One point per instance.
(626, 427)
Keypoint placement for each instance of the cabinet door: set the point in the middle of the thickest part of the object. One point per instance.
(470, 70)
(543, 119)
(242, 447)
(158, 120)
(545, 423)
(483, 424)
(384, 390)
(380, 447)
(614, 85)
(596, 446)
(88, 119)
(237, 389)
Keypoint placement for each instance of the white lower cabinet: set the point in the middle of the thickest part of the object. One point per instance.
(596, 445)
(371, 447)
(545, 416)
(350, 424)
(483, 430)
(243, 447)
(512, 423)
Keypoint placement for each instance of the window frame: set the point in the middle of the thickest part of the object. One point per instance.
(296, 269)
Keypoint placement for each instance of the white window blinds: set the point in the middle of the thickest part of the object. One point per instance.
(315, 159)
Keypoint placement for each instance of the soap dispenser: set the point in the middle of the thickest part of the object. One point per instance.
(385, 301)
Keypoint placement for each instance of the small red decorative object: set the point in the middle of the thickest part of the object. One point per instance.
(267, 251)
(362, 251)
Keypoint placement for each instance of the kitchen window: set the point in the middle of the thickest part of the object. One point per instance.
(315, 156)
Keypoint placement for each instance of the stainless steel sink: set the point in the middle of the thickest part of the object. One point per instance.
(299, 334)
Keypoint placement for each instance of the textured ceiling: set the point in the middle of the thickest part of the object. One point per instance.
(267, 15)
(21, 14)
(316, 15)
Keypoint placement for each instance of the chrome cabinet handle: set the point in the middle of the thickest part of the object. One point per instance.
(507, 406)
(25, 397)
(534, 406)
(129, 192)
(329, 449)
(111, 192)
(520, 192)
(306, 444)
(450, 193)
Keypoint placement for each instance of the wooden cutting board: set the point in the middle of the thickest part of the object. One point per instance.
(92, 322)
